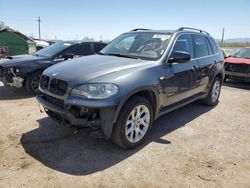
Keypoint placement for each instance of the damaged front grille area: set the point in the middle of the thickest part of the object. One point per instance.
(71, 114)
(55, 86)
(90, 114)
(242, 68)
(54, 101)
(79, 112)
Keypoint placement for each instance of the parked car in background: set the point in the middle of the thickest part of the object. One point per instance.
(228, 52)
(136, 78)
(40, 44)
(237, 67)
(25, 70)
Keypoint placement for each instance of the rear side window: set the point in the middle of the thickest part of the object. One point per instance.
(81, 50)
(99, 46)
(210, 51)
(200, 46)
(184, 44)
(214, 46)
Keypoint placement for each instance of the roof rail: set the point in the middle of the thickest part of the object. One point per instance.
(140, 29)
(189, 28)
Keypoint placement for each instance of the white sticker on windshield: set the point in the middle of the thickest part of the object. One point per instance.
(66, 44)
(161, 36)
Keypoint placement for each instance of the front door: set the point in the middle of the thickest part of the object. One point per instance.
(181, 78)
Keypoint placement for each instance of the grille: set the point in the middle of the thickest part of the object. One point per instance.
(55, 86)
(58, 86)
(243, 68)
(54, 101)
(44, 83)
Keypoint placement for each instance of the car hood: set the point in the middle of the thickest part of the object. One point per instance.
(237, 60)
(84, 69)
(20, 60)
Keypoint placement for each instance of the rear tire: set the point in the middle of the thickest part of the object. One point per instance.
(212, 98)
(133, 123)
(32, 83)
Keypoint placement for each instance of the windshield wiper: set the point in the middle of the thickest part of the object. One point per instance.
(121, 55)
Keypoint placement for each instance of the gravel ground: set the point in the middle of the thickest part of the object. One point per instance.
(195, 146)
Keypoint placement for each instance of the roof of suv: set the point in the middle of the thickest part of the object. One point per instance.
(181, 29)
(79, 41)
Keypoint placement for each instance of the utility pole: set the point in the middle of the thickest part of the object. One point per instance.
(39, 26)
(222, 38)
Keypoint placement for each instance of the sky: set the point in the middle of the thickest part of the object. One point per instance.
(75, 19)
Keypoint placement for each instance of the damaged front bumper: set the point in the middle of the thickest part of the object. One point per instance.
(17, 82)
(77, 114)
(238, 71)
(9, 78)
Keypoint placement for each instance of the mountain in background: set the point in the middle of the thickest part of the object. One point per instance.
(240, 40)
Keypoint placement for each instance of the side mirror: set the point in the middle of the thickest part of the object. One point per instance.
(66, 56)
(180, 57)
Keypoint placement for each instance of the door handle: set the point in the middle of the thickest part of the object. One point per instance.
(195, 68)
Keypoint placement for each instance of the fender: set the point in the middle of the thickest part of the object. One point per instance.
(34, 67)
(133, 92)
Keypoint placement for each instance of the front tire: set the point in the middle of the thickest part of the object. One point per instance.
(214, 93)
(133, 123)
(32, 83)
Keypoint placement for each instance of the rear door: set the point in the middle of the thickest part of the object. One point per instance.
(181, 78)
(204, 55)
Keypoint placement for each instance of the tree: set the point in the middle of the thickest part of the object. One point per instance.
(88, 38)
(2, 25)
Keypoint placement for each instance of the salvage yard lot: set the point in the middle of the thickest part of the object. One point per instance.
(195, 146)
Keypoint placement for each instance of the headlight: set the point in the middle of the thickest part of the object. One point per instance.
(95, 91)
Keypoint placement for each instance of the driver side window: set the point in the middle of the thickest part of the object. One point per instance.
(183, 44)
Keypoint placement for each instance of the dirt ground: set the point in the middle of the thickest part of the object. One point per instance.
(195, 146)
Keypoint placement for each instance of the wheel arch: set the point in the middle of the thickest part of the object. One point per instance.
(220, 76)
(150, 93)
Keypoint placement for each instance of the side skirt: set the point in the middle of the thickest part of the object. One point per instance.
(181, 103)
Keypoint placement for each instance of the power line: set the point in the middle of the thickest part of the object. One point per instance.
(223, 33)
(39, 26)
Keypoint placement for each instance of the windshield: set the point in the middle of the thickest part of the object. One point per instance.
(243, 53)
(148, 46)
(230, 51)
(53, 49)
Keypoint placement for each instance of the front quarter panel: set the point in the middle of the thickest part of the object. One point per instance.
(131, 82)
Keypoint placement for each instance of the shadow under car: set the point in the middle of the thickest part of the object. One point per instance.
(12, 93)
(65, 150)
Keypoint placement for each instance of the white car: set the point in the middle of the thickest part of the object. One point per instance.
(40, 44)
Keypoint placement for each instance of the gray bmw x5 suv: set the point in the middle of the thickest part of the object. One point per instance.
(138, 77)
